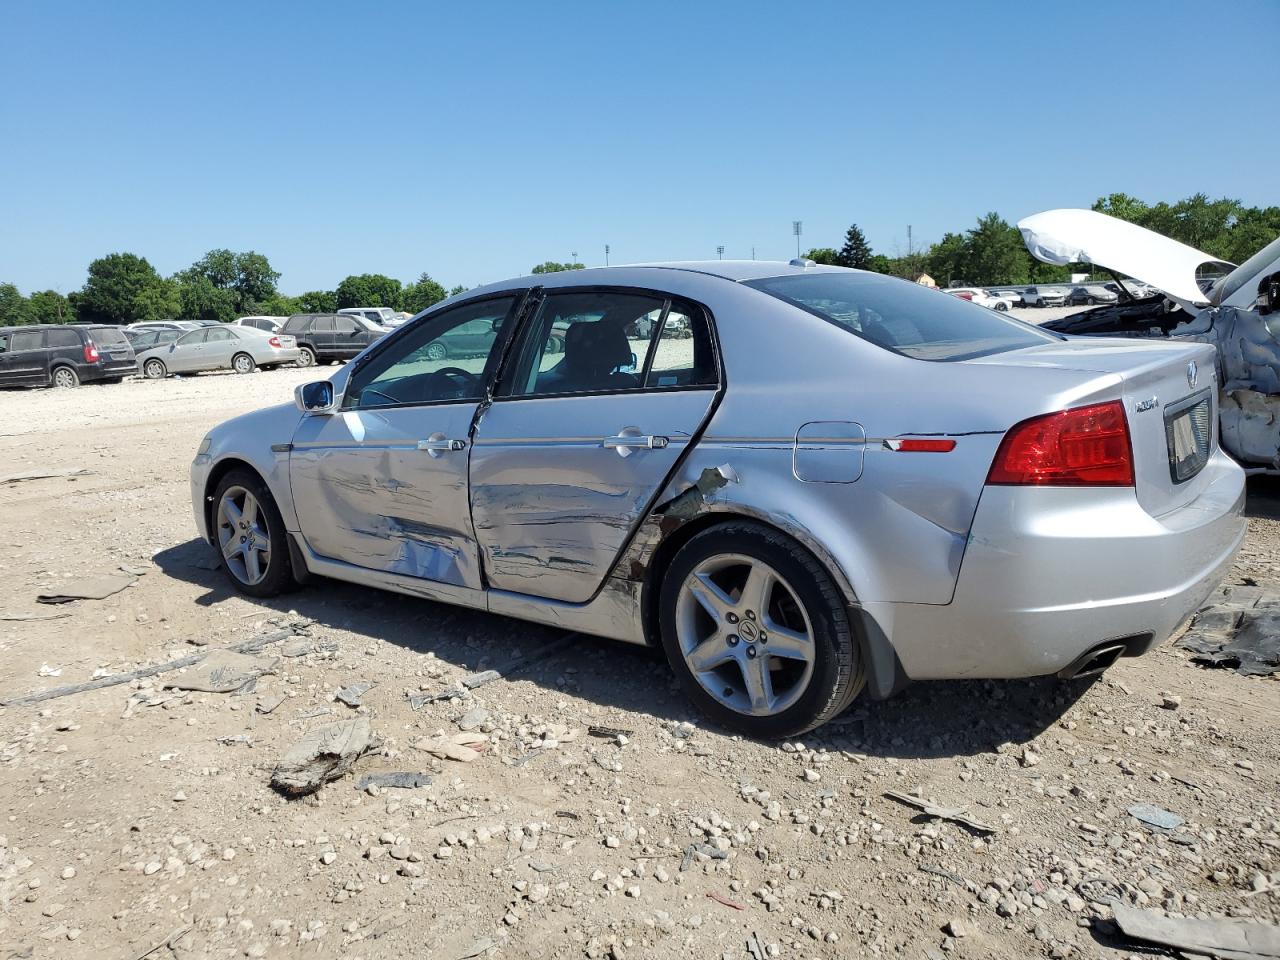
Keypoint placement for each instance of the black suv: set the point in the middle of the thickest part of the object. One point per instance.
(63, 355)
(330, 336)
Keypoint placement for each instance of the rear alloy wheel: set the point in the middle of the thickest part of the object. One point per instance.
(249, 534)
(243, 363)
(306, 357)
(154, 369)
(757, 632)
(64, 378)
(1002, 308)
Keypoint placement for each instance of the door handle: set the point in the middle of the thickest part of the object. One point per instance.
(624, 441)
(441, 445)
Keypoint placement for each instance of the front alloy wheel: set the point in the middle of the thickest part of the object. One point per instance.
(243, 536)
(153, 370)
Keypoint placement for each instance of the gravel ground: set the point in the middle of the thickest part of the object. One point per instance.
(139, 818)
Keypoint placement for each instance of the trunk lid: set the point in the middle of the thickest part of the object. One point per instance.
(1170, 399)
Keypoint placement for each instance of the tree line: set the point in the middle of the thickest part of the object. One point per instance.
(992, 253)
(223, 285)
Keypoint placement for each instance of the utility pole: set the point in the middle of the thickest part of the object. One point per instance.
(753, 253)
(909, 250)
(573, 256)
(720, 251)
(606, 254)
(796, 227)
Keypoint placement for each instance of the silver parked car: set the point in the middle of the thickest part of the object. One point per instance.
(830, 481)
(221, 347)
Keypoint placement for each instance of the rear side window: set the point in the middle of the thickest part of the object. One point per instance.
(322, 325)
(108, 337)
(295, 324)
(904, 317)
(61, 338)
(26, 340)
(684, 356)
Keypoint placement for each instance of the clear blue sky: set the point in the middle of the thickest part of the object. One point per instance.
(475, 140)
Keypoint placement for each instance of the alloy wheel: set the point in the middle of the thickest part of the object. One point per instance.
(242, 363)
(436, 351)
(242, 536)
(64, 377)
(154, 369)
(306, 358)
(745, 635)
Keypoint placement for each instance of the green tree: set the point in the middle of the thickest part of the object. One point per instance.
(119, 286)
(49, 306)
(552, 266)
(243, 280)
(824, 255)
(856, 252)
(15, 309)
(369, 290)
(457, 290)
(418, 296)
(880, 263)
(201, 299)
(317, 301)
(160, 301)
(996, 253)
(948, 260)
(278, 305)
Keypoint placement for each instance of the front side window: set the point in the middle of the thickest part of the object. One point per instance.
(191, 339)
(905, 318)
(345, 325)
(442, 359)
(586, 342)
(322, 325)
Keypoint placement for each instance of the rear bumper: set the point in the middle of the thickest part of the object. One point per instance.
(283, 355)
(108, 370)
(1049, 574)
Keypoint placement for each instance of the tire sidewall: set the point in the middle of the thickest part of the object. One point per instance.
(829, 687)
(279, 574)
(71, 374)
(148, 366)
(306, 358)
(236, 367)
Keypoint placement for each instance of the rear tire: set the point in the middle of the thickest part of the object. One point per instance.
(255, 555)
(437, 351)
(731, 592)
(243, 363)
(64, 378)
(307, 357)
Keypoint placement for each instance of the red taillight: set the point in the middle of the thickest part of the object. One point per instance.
(91, 354)
(275, 342)
(1084, 447)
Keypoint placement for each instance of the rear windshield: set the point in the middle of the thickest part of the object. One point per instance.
(904, 317)
(108, 337)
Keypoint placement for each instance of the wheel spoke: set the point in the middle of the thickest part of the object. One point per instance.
(710, 597)
(788, 643)
(250, 512)
(232, 547)
(758, 590)
(252, 566)
(708, 655)
(231, 512)
(755, 673)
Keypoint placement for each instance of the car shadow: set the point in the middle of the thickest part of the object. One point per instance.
(933, 719)
(1262, 497)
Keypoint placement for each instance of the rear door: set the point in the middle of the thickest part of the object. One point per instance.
(576, 445)
(321, 335)
(220, 345)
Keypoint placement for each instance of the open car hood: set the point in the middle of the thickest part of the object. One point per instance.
(1085, 236)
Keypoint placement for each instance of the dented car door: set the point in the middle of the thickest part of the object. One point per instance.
(577, 444)
(382, 482)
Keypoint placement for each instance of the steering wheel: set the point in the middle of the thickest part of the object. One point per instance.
(456, 373)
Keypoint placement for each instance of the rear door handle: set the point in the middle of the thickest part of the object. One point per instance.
(624, 443)
(438, 445)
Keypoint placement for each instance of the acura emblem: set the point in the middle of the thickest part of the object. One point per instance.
(1193, 374)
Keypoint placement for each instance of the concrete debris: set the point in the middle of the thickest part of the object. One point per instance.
(398, 781)
(1155, 816)
(608, 733)
(463, 747)
(87, 588)
(931, 809)
(39, 615)
(324, 754)
(223, 671)
(472, 681)
(353, 694)
(1226, 938)
(268, 703)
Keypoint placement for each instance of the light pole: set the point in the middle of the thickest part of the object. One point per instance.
(606, 254)
(573, 256)
(796, 227)
(720, 252)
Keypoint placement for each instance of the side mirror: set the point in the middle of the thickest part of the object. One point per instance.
(496, 324)
(316, 397)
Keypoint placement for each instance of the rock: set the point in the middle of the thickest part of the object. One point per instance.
(68, 873)
(1029, 757)
(956, 928)
(472, 719)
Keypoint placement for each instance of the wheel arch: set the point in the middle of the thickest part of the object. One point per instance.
(220, 470)
(62, 365)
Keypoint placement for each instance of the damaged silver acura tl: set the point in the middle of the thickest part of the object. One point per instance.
(800, 481)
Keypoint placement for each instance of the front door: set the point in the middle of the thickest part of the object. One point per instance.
(23, 359)
(349, 337)
(382, 483)
(187, 353)
(577, 444)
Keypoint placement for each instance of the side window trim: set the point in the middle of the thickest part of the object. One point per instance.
(655, 336)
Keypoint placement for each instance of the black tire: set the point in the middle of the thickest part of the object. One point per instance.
(63, 378)
(243, 363)
(1091, 301)
(837, 675)
(307, 358)
(1002, 308)
(154, 369)
(279, 574)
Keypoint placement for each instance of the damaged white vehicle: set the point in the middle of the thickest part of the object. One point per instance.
(1199, 298)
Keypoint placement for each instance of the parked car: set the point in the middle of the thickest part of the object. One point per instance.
(788, 535)
(379, 316)
(330, 337)
(981, 297)
(1091, 296)
(265, 323)
(1012, 294)
(147, 338)
(222, 347)
(63, 355)
(164, 325)
(1044, 296)
(1238, 313)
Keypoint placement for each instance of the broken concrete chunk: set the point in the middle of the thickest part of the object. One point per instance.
(269, 702)
(223, 671)
(398, 781)
(326, 753)
(353, 694)
(463, 747)
(86, 588)
(1155, 816)
(1229, 939)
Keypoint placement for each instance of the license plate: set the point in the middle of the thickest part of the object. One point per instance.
(1188, 431)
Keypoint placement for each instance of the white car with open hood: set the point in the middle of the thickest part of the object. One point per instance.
(1198, 298)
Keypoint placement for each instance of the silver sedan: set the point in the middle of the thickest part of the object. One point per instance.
(224, 347)
(803, 483)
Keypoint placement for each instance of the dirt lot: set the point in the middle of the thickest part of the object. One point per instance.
(137, 818)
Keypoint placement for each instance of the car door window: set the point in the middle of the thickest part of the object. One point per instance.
(216, 335)
(26, 340)
(684, 355)
(191, 339)
(345, 325)
(419, 367)
(322, 325)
